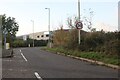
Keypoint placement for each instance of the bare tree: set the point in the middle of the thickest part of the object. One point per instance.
(88, 19)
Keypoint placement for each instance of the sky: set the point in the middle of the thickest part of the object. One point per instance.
(105, 13)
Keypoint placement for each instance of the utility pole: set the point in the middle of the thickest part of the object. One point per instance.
(79, 19)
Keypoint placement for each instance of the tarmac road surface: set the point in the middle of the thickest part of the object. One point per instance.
(39, 64)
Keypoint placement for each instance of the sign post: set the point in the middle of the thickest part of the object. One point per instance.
(79, 35)
(79, 26)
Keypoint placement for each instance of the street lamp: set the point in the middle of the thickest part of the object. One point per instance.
(49, 27)
(33, 31)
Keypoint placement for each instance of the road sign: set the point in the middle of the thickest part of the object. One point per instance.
(79, 25)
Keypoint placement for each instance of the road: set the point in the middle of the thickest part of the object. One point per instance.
(36, 63)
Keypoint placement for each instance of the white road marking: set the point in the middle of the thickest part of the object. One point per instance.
(23, 57)
(38, 76)
(20, 50)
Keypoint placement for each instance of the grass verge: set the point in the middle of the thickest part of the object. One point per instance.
(108, 59)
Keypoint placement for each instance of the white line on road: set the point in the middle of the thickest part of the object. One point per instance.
(23, 57)
(20, 50)
(37, 75)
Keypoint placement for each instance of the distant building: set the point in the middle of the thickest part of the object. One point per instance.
(37, 36)
(40, 36)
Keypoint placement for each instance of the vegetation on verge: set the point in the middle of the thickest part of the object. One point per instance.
(96, 45)
(99, 41)
(109, 59)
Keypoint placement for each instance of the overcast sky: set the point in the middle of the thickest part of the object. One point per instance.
(105, 13)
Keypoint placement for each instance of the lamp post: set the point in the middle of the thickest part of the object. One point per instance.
(33, 31)
(49, 26)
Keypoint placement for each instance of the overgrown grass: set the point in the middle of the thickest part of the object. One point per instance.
(109, 59)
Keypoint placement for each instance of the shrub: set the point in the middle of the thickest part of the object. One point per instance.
(99, 41)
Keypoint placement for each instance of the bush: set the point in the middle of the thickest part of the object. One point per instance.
(18, 43)
(21, 43)
(112, 47)
(99, 41)
(40, 43)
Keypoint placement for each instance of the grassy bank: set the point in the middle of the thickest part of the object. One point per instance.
(109, 59)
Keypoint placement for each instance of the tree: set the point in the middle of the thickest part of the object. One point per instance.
(85, 19)
(10, 25)
(88, 20)
(72, 22)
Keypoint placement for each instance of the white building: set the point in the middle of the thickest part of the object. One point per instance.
(38, 36)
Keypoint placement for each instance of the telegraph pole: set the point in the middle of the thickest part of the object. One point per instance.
(79, 19)
(79, 24)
